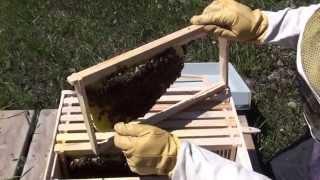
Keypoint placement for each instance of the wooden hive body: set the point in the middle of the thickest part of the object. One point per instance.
(211, 123)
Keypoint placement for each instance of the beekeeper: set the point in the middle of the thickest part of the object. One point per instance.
(151, 150)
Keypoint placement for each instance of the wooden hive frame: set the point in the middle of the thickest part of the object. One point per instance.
(137, 56)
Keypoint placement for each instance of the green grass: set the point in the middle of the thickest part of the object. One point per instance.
(44, 41)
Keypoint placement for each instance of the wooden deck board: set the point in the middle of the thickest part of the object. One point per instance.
(15, 126)
(250, 146)
(40, 146)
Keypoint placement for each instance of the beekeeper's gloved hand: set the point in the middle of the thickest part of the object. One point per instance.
(148, 149)
(233, 20)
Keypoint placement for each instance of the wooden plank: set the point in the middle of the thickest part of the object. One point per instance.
(186, 79)
(193, 76)
(172, 98)
(183, 115)
(71, 100)
(171, 123)
(71, 117)
(242, 155)
(15, 132)
(188, 114)
(213, 104)
(176, 108)
(163, 99)
(52, 155)
(82, 136)
(159, 107)
(72, 148)
(224, 59)
(39, 149)
(210, 142)
(199, 123)
(74, 127)
(247, 137)
(69, 93)
(82, 96)
(78, 124)
(183, 133)
(210, 105)
(196, 115)
(71, 109)
(212, 132)
(250, 146)
(217, 117)
(183, 90)
(137, 55)
(56, 171)
(202, 115)
(184, 85)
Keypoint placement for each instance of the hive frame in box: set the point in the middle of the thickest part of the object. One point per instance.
(83, 78)
(228, 147)
(212, 124)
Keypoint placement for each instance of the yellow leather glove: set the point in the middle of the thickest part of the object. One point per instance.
(149, 150)
(233, 20)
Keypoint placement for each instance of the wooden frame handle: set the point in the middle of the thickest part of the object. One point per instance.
(138, 55)
(224, 59)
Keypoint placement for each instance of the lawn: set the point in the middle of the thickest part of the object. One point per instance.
(43, 41)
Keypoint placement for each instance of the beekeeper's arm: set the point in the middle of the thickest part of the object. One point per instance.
(286, 25)
(194, 162)
(152, 151)
(237, 21)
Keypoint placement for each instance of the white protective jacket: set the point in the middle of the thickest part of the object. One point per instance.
(194, 163)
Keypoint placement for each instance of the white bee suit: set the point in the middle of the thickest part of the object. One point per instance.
(194, 163)
(286, 28)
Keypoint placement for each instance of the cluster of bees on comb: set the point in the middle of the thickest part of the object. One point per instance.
(131, 92)
(98, 166)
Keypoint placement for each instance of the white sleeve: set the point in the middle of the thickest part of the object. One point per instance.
(286, 25)
(194, 162)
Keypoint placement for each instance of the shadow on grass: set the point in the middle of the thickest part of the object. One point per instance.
(256, 118)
